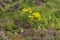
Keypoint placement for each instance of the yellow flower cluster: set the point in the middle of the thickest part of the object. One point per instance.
(35, 15)
(27, 10)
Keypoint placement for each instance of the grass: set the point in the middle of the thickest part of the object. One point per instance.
(30, 19)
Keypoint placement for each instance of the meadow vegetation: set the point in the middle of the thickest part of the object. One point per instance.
(29, 19)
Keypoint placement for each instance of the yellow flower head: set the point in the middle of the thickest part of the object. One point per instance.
(32, 17)
(36, 14)
(25, 10)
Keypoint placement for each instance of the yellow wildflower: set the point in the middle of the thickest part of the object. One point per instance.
(25, 10)
(37, 15)
(32, 17)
